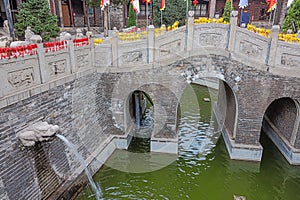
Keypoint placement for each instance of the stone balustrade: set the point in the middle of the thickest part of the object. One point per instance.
(27, 75)
(19, 74)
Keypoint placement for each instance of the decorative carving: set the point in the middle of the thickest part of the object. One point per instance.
(289, 60)
(170, 47)
(21, 78)
(38, 132)
(250, 49)
(83, 60)
(132, 57)
(191, 13)
(210, 39)
(57, 67)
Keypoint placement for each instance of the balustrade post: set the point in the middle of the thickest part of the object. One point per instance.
(72, 56)
(42, 63)
(190, 31)
(272, 45)
(92, 51)
(114, 48)
(233, 27)
(151, 44)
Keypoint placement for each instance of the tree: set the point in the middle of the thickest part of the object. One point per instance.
(36, 14)
(131, 17)
(292, 15)
(174, 11)
(228, 8)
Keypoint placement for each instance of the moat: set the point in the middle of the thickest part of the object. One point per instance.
(203, 169)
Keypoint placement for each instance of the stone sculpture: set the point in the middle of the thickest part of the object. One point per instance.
(65, 36)
(28, 33)
(79, 33)
(4, 41)
(38, 132)
(31, 37)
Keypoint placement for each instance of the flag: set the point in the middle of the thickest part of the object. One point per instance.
(162, 5)
(243, 4)
(136, 6)
(271, 5)
(104, 3)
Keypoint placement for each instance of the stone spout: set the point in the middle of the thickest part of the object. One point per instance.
(38, 132)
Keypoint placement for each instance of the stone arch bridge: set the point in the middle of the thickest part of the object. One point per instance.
(86, 90)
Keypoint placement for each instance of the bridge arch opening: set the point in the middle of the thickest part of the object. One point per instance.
(281, 125)
(139, 108)
(227, 106)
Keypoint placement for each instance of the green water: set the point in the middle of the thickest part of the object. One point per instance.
(202, 170)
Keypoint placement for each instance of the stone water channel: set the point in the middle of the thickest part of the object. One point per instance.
(203, 169)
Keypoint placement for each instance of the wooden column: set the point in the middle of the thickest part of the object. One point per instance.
(84, 12)
(60, 14)
(71, 13)
(52, 6)
(95, 16)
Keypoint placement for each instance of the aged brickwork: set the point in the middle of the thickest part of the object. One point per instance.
(282, 114)
(88, 97)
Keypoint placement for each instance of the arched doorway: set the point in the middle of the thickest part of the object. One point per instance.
(140, 109)
(228, 110)
(281, 125)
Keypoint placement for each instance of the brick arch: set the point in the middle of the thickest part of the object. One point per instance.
(281, 124)
(228, 109)
(165, 102)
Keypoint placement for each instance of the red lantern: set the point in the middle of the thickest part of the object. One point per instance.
(195, 2)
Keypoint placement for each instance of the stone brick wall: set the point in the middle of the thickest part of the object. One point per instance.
(230, 109)
(90, 106)
(221, 103)
(80, 108)
(282, 114)
(26, 172)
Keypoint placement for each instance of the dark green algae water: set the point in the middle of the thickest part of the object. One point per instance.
(203, 169)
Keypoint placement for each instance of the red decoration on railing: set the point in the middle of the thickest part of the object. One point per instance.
(54, 46)
(20, 51)
(81, 42)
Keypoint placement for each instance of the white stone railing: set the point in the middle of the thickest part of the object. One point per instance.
(21, 74)
(22, 77)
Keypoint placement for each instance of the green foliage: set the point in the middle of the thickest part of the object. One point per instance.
(227, 9)
(119, 2)
(174, 11)
(131, 17)
(292, 15)
(36, 14)
(92, 3)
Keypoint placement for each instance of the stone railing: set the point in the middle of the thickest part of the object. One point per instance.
(27, 75)
(198, 39)
(21, 73)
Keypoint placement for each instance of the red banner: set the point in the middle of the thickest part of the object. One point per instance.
(271, 5)
(147, 1)
(162, 5)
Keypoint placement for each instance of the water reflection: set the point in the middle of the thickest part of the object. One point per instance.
(203, 169)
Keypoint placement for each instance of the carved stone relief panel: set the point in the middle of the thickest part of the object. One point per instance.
(83, 60)
(57, 67)
(132, 57)
(289, 60)
(21, 78)
(210, 39)
(170, 47)
(250, 49)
